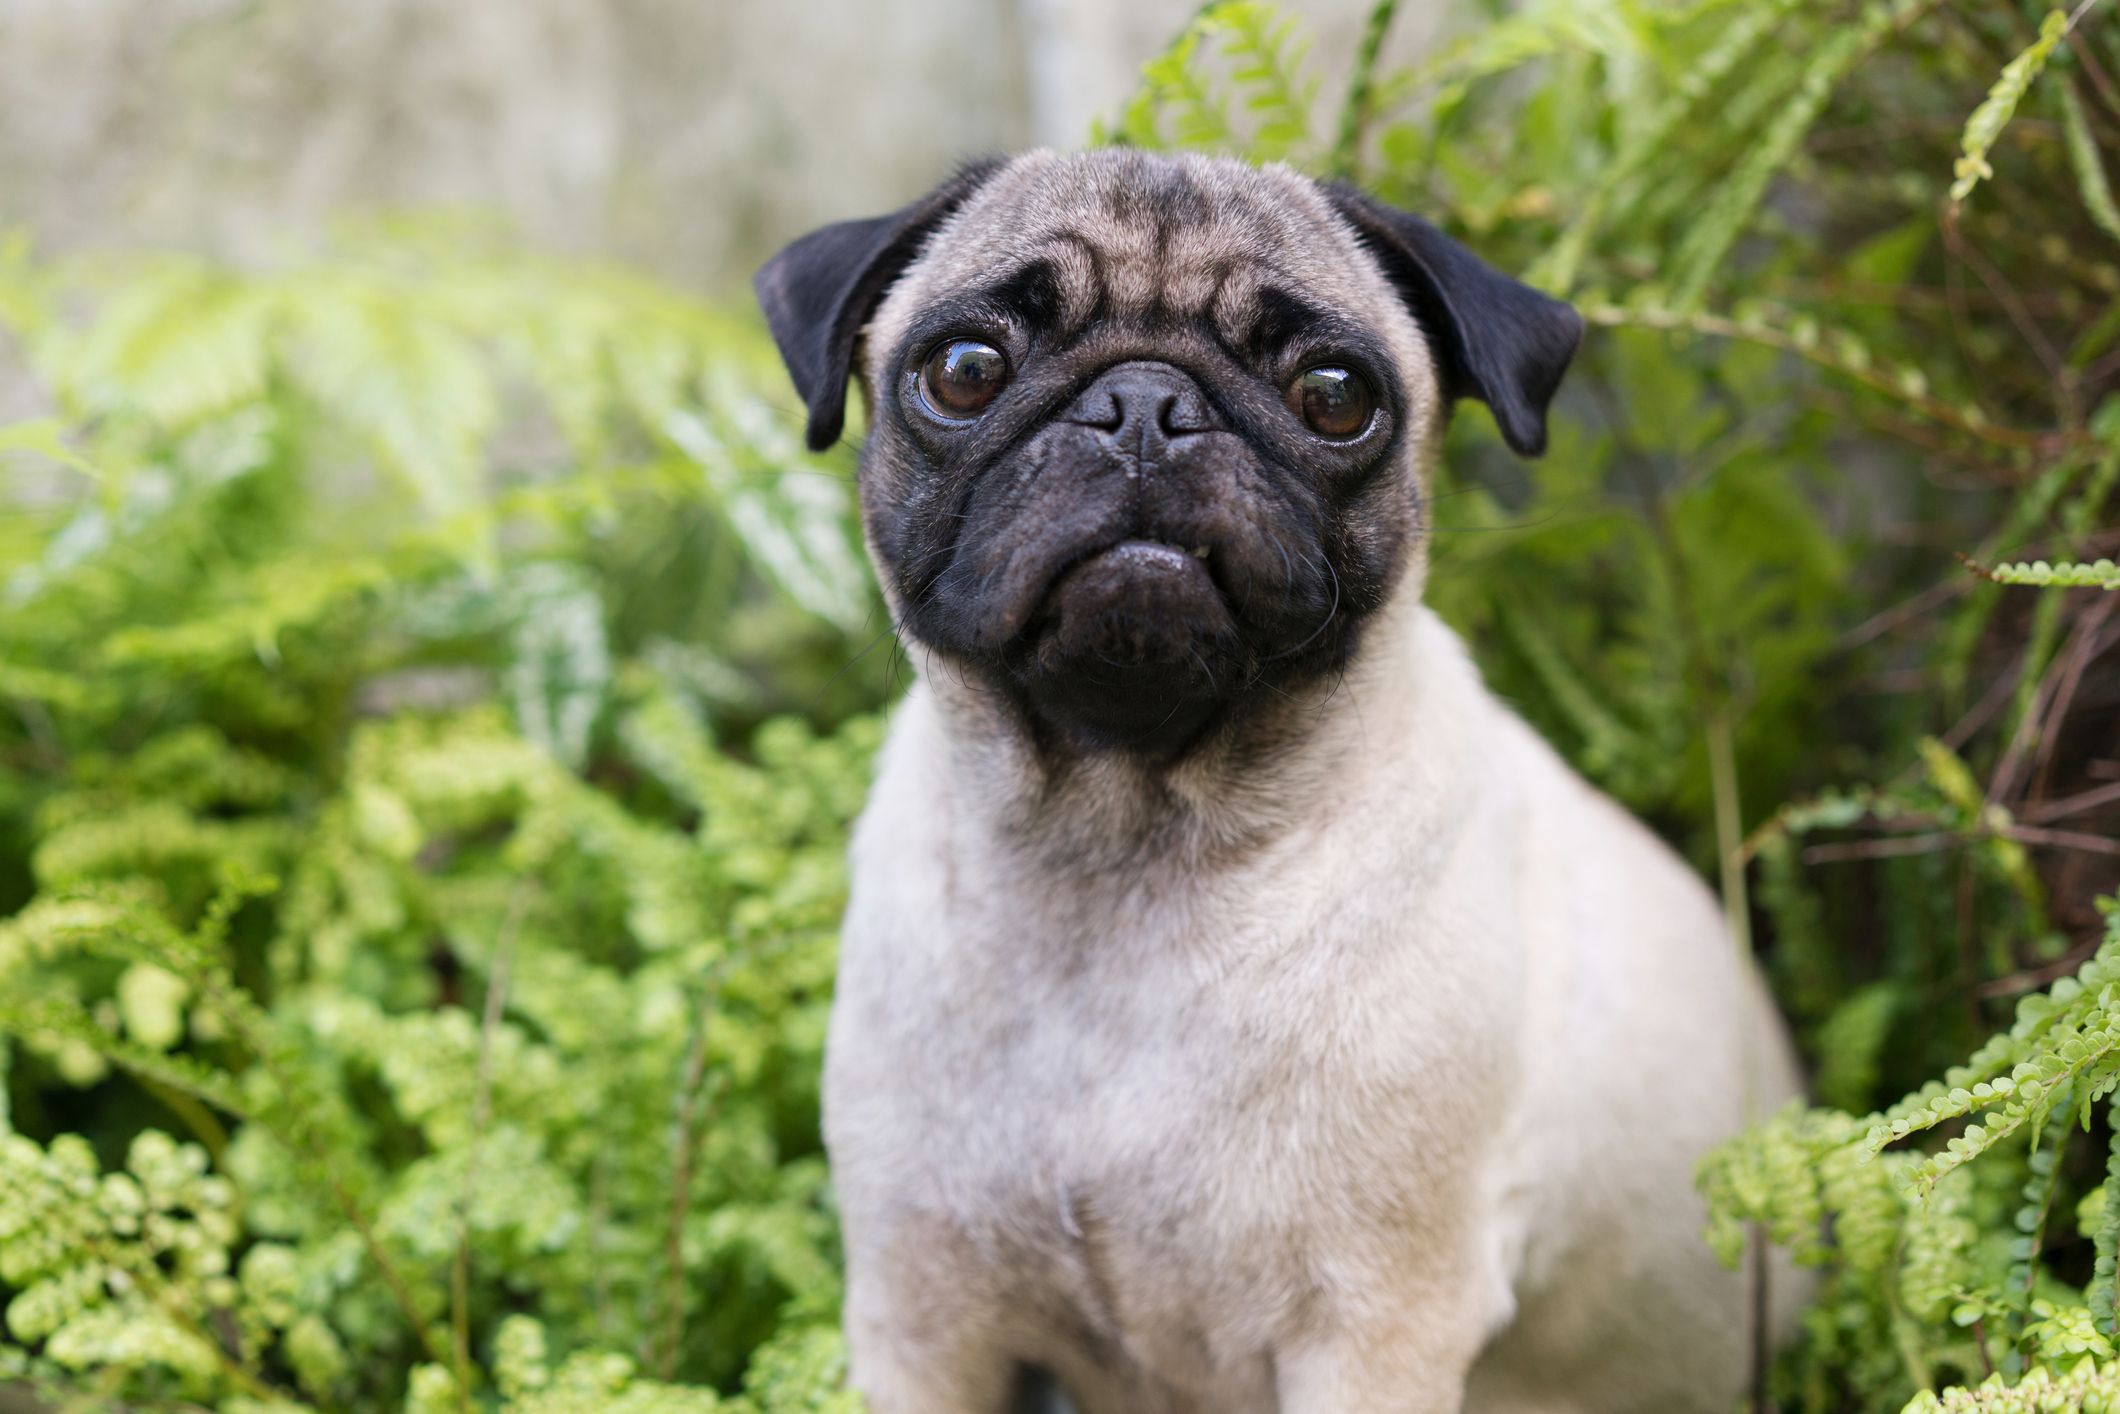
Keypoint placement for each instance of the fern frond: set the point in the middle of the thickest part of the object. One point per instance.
(1172, 84)
(1742, 38)
(1267, 54)
(1700, 252)
(2098, 574)
(1987, 121)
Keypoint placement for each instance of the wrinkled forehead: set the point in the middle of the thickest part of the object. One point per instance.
(1120, 236)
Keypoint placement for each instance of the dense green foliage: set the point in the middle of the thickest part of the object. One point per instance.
(421, 906)
(429, 713)
(1853, 272)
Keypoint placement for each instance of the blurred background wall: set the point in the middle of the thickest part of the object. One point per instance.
(689, 136)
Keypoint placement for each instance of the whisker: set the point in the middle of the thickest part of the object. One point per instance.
(886, 631)
(1324, 623)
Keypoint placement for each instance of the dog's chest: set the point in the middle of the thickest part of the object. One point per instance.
(1122, 1110)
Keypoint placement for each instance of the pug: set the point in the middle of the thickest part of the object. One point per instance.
(1240, 1009)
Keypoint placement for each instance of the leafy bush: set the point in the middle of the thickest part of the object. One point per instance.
(1852, 269)
(422, 908)
(419, 898)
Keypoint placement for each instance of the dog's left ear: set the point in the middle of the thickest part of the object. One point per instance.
(818, 292)
(1494, 338)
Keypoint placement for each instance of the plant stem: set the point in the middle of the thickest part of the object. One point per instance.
(1935, 409)
(197, 1117)
(1361, 92)
(481, 1110)
(683, 1132)
(1729, 827)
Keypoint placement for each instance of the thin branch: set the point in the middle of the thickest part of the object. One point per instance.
(2013, 307)
(1969, 726)
(1878, 625)
(481, 1112)
(599, 1229)
(2075, 804)
(1965, 902)
(683, 1137)
(2036, 978)
(197, 1117)
(1935, 409)
(2003, 781)
(2095, 71)
(2062, 839)
(2088, 644)
(1891, 848)
(1762, 1332)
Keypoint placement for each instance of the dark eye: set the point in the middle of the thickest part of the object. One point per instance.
(1333, 402)
(962, 376)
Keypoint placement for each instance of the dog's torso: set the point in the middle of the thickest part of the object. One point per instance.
(1422, 1033)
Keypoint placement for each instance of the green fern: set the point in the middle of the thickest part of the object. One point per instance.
(1266, 55)
(1240, 55)
(2100, 574)
(418, 994)
(1992, 116)
(1702, 250)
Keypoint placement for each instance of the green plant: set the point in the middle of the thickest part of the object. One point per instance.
(416, 910)
(418, 893)
(1852, 280)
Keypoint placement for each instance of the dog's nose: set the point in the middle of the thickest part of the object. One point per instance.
(1144, 406)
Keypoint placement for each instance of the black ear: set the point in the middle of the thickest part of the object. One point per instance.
(1494, 339)
(818, 292)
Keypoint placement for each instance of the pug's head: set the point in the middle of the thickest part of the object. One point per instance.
(1147, 433)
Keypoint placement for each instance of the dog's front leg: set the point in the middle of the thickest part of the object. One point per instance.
(921, 1341)
(1415, 1370)
(1409, 1353)
(902, 1372)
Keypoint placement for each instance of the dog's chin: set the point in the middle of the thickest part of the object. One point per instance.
(1133, 649)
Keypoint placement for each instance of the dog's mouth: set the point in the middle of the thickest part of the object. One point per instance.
(1136, 576)
(1132, 644)
(1139, 602)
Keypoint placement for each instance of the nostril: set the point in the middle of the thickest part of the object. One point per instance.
(1106, 413)
(1180, 417)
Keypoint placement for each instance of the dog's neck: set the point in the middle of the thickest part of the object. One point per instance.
(1289, 760)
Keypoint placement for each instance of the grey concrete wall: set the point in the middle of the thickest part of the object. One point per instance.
(687, 135)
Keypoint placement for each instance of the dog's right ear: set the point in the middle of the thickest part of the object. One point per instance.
(820, 291)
